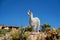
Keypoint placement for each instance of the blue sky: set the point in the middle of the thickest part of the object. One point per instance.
(14, 12)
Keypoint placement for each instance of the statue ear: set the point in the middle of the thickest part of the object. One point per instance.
(29, 10)
(28, 13)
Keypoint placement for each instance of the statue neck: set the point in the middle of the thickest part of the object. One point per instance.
(31, 16)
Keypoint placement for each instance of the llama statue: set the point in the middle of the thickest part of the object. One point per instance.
(34, 21)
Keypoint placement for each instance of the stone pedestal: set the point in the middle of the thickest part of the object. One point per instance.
(33, 35)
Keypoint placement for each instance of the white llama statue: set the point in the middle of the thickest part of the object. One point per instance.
(34, 21)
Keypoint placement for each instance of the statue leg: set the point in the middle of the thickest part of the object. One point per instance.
(35, 28)
(38, 29)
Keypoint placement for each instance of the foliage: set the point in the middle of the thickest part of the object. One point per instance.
(38, 38)
(58, 31)
(14, 34)
(9, 30)
(3, 32)
(23, 34)
(1, 24)
(30, 29)
(45, 27)
(26, 35)
(10, 38)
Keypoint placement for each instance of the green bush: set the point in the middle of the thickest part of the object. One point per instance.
(14, 34)
(3, 32)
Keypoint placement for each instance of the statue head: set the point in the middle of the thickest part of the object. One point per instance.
(29, 12)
